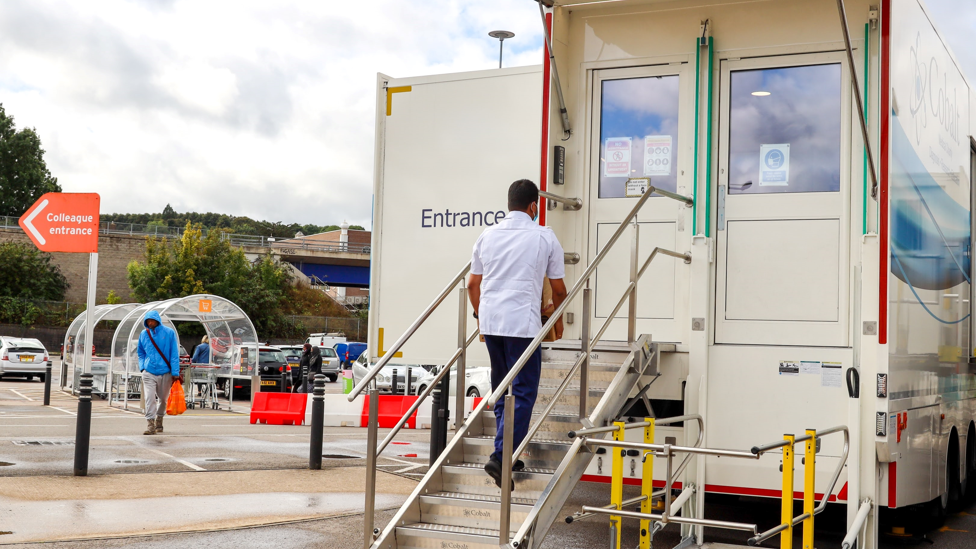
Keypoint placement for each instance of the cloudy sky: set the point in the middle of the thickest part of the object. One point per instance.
(249, 107)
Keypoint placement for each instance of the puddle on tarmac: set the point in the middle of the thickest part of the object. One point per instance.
(47, 520)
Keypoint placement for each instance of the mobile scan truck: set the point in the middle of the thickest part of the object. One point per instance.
(766, 212)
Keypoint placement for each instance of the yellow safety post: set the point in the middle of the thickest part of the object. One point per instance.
(809, 476)
(647, 486)
(617, 487)
(786, 538)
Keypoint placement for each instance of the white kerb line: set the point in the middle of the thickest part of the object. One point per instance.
(174, 458)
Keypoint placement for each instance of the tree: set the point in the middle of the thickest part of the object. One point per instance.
(195, 264)
(28, 273)
(24, 176)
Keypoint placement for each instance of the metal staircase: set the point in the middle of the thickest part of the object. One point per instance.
(585, 384)
(458, 503)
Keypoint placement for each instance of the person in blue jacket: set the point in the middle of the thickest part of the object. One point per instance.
(159, 362)
(201, 355)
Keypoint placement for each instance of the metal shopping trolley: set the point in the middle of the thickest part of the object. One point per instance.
(201, 386)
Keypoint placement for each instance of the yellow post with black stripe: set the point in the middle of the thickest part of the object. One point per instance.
(617, 486)
(786, 538)
(647, 486)
(809, 478)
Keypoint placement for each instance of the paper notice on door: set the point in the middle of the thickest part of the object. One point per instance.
(789, 368)
(831, 374)
(774, 165)
(637, 186)
(616, 157)
(810, 367)
(657, 155)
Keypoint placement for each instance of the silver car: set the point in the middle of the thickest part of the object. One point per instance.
(384, 380)
(22, 357)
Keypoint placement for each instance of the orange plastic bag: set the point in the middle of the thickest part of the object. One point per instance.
(176, 404)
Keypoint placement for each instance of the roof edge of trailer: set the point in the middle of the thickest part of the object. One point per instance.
(468, 75)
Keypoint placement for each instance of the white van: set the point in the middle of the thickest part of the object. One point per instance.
(326, 340)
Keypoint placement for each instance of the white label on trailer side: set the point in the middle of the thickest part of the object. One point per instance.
(789, 368)
(830, 374)
(810, 367)
(637, 186)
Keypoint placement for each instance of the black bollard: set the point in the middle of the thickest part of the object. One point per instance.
(83, 426)
(285, 374)
(394, 386)
(439, 416)
(318, 418)
(47, 384)
(407, 389)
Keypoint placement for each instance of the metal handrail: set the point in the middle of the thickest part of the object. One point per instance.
(430, 388)
(557, 314)
(570, 203)
(758, 451)
(407, 334)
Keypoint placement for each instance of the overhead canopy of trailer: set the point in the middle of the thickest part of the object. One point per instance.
(233, 339)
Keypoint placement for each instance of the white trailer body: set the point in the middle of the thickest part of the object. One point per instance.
(447, 148)
(804, 273)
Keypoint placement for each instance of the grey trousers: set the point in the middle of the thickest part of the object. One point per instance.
(156, 387)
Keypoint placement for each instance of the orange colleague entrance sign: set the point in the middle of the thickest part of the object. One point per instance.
(63, 222)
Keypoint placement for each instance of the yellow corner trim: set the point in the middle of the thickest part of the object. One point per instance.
(389, 107)
(382, 350)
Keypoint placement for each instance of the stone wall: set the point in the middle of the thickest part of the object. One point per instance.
(114, 254)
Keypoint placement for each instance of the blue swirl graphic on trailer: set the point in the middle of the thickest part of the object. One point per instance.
(930, 231)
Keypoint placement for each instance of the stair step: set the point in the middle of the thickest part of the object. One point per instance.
(471, 511)
(555, 427)
(471, 478)
(546, 454)
(438, 536)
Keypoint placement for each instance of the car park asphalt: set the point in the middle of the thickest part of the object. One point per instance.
(221, 482)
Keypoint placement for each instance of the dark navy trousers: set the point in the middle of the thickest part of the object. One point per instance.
(504, 352)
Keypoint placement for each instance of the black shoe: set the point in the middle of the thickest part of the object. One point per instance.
(518, 465)
(494, 470)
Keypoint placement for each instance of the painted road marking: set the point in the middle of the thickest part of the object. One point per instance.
(22, 395)
(174, 458)
(63, 410)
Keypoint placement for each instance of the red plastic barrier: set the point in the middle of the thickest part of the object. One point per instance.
(279, 408)
(391, 409)
(477, 401)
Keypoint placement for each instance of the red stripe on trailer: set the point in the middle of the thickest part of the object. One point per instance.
(762, 492)
(885, 93)
(628, 481)
(892, 482)
(546, 91)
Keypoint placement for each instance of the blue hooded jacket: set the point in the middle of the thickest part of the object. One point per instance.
(150, 359)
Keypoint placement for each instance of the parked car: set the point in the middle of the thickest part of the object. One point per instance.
(185, 357)
(477, 381)
(293, 355)
(272, 363)
(348, 353)
(330, 363)
(22, 357)
(326, 340)
(385, 378)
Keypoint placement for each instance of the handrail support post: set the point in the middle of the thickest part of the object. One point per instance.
(809, 478)
(786, 516)
(462, 344)
(374, 412)
(617, 486)
(647, 487)
(508, 439)
(632, 305)
(585, 349)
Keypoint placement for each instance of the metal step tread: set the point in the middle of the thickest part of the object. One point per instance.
(422, 527)
(461, 497)
(567, 442)
(481, 467)
(595, 364)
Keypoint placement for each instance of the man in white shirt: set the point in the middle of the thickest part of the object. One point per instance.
(508, 265)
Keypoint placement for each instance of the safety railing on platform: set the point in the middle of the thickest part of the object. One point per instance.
(669, 451)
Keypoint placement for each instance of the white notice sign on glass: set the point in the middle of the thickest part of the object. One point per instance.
(637, 186)
(657, 155)
(617, 160)
(774, 165)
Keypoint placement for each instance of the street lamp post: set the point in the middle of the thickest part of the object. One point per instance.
(501, 36)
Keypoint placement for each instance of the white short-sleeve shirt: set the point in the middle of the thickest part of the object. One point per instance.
(513, 257)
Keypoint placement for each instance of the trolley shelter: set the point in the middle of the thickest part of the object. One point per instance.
(233, 343)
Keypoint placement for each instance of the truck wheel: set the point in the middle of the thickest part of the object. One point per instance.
(473, 392)
(969, 485)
